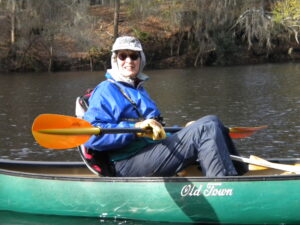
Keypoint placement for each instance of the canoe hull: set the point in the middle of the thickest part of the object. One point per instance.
(252, 200)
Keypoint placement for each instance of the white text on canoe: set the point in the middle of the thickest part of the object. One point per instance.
(213, 189)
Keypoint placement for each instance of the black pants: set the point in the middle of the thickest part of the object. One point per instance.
(206, 142)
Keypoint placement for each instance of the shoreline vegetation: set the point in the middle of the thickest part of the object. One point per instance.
(76, 35)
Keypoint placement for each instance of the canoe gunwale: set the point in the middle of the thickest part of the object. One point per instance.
(83, 178)
(41, 163)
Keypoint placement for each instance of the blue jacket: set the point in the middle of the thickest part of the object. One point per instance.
(108, 108)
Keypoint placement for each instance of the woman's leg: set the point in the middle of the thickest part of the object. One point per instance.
(204, 142)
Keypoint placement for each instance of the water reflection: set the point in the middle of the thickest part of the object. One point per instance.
(240, 96)
(13, 218)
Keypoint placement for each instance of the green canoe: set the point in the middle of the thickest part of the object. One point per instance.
(69, 189)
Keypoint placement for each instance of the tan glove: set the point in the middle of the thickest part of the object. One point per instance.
(154, 129)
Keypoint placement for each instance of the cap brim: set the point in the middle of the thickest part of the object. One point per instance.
(132, 49)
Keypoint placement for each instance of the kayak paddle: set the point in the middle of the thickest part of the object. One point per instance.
(63, 132)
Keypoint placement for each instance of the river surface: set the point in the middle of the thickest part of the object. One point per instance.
(241, 96)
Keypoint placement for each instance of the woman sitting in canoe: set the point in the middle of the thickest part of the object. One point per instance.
(122, 101)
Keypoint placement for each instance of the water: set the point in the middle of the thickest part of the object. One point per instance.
(240, 96)
(12, 218)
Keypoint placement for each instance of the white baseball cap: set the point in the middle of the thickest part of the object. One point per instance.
(128, 43)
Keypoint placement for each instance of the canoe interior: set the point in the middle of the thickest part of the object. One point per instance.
(79, 169)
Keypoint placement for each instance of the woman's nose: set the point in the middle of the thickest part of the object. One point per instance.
(128, 59)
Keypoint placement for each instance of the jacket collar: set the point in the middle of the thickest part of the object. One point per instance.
(112, 75)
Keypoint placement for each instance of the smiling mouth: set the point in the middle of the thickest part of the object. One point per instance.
(129, 67)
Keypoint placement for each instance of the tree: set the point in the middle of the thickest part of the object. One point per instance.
(116, 18)
(44, 24)
(13, 21)
(254, 25)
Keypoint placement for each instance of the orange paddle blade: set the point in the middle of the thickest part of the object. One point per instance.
(242, 132)
(56, 141)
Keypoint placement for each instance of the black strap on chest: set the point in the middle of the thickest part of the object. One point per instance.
(141, 117)
(159, 119)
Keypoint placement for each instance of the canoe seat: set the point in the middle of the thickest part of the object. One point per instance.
(88, 159)
(97, 162)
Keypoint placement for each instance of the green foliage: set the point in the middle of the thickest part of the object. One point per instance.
(287, 11)
(95, 52)
(141, 35)
(287, 14)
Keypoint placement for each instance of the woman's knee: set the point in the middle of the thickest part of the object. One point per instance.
(204, 124)
(210, 118)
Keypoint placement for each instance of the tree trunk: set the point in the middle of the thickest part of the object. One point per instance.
(13, 23)
(91, 64)
(179, 42)
(50, 58)
(116, 19)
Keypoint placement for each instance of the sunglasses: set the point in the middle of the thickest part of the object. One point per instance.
(133, 56)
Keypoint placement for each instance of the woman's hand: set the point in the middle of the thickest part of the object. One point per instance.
(154, 129)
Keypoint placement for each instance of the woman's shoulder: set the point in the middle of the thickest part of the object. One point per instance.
(104, 85)
(105, 90)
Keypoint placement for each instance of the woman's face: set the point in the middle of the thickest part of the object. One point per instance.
(128, 63)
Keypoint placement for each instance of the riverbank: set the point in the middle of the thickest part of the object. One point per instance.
(167, 44)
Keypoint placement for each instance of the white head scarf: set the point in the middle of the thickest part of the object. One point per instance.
(126, 43)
